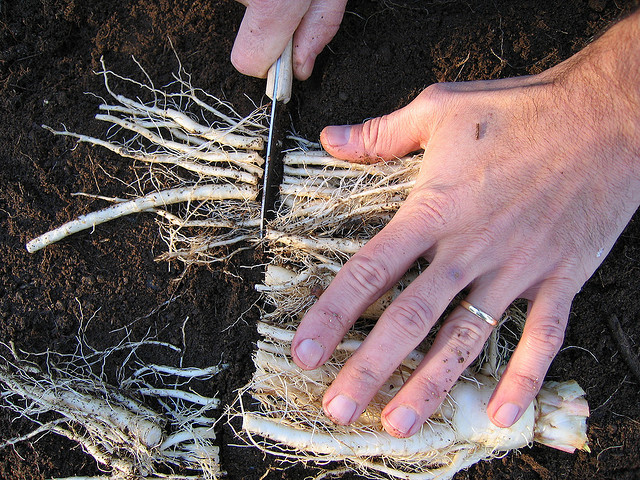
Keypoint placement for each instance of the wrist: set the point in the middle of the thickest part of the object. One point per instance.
(602, 86)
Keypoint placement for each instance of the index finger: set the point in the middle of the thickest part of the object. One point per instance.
(363, 279)
(264, 32)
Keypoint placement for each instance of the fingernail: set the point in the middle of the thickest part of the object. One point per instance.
(507, 414)
(402, 419)
(306, 69)
(337, 136)
(309, 352)
(341, 409)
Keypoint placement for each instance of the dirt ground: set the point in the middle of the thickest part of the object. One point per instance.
(384, 54)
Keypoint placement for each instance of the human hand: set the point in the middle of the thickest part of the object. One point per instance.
(268, 25)
(525, 185)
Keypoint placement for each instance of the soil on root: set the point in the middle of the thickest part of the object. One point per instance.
(384, 54)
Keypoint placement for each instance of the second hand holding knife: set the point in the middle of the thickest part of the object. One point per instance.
(279, 83)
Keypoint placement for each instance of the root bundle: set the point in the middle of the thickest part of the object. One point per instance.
(290, 422)
(200, 164)
(120, 426)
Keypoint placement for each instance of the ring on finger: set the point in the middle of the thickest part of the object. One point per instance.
(479, 313)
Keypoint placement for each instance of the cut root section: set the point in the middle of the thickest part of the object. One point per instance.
(290, 422)
(134, 429)
(197, 162)
(325, 197)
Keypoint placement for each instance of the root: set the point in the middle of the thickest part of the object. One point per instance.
(115, 424)
(201, 172)
(143, 204)
(325, 197)
(290, 422)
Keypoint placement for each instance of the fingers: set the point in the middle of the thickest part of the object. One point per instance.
(264, 32)
(398, 331)
(317, 28)
(389, 136)
(363, 279)
(458, 342)
(267, 26)
(542, 338)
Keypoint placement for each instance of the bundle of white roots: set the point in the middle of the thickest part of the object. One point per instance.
(200, 176)
(139, 428)
(201, 180)
(290, 422)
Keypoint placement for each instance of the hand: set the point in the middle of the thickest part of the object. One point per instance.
(525, 185)
(268, 25)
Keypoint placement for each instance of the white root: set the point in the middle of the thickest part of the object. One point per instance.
(141, 204)
(95, 409)
(324, 197)
(250, 138)
(190, 397)
(343, 445)
(243, 160)
(182, 161)
(290, 422)
(241, 142)
(345, 246)
(189, 372)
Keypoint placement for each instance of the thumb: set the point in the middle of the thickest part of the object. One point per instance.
(382, 138)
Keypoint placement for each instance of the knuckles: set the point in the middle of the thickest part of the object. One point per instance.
(464, 335)
(332, 320)
(545, 335)
(365, 375)
(368, 276)
(410, 319)
(376, 138)
(526, 382)
(433, 98)
(431, 210)
(430, 390)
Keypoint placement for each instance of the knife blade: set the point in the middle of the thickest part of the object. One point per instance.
(279, 83)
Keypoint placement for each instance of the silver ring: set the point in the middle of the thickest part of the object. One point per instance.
(479, 313)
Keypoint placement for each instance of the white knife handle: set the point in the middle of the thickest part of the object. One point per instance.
(285, 75)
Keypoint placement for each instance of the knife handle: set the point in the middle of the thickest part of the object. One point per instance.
(283, 67)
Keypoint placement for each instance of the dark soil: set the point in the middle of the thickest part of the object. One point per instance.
(384, 54)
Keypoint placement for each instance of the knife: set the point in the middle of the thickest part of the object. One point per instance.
(279, 82)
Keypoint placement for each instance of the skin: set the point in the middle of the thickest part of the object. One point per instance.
(268, 25)
(526, 184)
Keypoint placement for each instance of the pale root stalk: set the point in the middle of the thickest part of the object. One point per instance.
(290, 422)
(325, 197)
(75, 404)
(180, 119)
(148, 202)
(181, 161)
(250, 139)
(243, 160)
